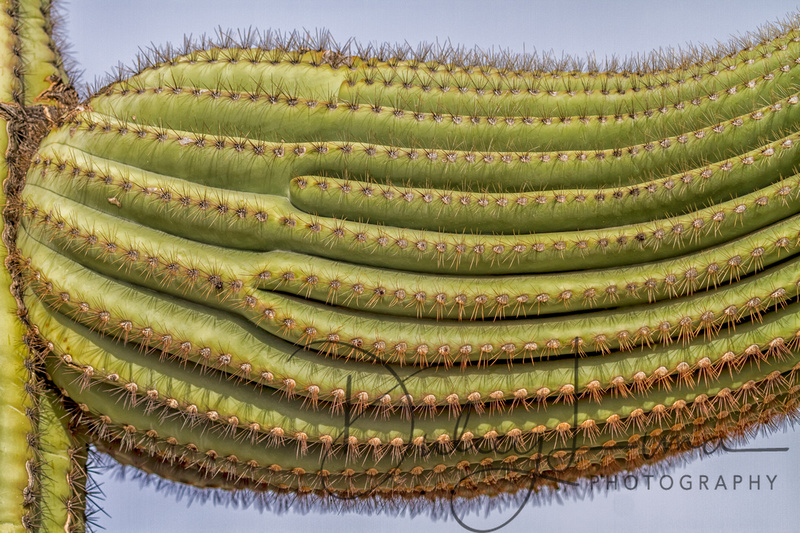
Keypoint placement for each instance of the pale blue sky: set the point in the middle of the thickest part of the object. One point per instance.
(104, 32)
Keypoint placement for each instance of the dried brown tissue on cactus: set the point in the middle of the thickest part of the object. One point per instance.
(370, 274)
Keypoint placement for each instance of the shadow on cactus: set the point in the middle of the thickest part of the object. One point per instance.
(282, 266)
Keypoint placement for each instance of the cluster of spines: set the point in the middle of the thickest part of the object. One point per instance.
(87, 374)
(662, 281)
(491, 114)
(126, 329)
(511, 169)
(193, 408)
(581, 136)
(713, 418)
(321, 49)
(449, 209)
(495, 253)
(210, 467)
(271, 313)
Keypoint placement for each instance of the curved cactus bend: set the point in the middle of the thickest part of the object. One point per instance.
(217, 257)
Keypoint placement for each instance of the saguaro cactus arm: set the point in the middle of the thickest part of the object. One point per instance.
(291, 269)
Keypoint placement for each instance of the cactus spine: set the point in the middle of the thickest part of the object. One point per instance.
(278, 269)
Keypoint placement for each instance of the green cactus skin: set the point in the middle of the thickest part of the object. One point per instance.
(14, 425)
(40, 460)
(218, 259)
